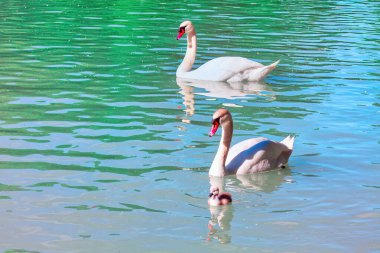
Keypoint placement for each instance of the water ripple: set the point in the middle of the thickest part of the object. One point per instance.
(94, 121)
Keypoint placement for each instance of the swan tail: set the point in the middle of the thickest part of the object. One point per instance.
(289, 142)
(273, 65)
(259, 74)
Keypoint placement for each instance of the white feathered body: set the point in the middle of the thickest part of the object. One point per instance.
(258, 155)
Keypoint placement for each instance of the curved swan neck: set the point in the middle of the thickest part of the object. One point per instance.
(191, 51)
(218, 165)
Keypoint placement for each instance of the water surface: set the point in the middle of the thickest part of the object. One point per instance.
(103, 150)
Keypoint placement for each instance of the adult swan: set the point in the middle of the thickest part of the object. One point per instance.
(230, 69)
(249, 156)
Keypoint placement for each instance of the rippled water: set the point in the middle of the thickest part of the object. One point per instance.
(102, 150)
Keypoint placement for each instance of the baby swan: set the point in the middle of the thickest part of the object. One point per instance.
(217, 198)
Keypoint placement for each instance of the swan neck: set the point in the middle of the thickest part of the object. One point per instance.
(219, 164)
(191, 52)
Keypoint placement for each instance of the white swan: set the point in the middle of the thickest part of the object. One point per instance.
(249, 156)
(221, 69)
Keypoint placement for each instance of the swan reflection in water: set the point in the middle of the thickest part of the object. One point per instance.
(266, 182)
(219, 224)
(212, 89)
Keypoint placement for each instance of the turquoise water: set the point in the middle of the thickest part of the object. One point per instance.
(102, 150)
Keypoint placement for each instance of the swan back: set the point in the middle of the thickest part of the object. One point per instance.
(257, 155)
(222, 69)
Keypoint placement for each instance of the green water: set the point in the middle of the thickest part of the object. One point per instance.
(101, 150)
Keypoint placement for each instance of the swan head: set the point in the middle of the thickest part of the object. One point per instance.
(185, 27)
(220, 117)
(213, 198)
(214, 191)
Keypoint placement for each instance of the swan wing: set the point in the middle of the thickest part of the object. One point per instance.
(256, 155)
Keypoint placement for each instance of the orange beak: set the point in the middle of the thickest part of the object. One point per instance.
(214, 128)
